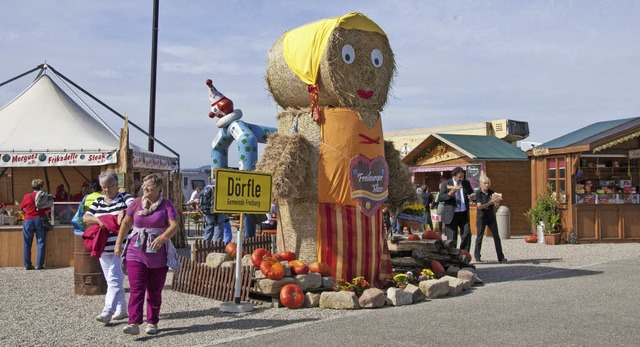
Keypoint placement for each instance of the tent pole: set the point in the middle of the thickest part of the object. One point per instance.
(154, 61)
(26, 73)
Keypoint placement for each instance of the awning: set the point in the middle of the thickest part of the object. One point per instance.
(435, 168)
(617, 141)
(71, 158)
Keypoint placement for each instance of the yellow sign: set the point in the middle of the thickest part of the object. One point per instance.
(242, 191)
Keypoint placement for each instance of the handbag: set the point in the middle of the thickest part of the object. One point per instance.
(76, 221)
(46, 224)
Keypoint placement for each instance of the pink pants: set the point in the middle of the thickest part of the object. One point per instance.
(143, 279)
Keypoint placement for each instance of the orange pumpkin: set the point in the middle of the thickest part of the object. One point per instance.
(298, 267)
(321, 268)
(292, 296)
(288, 256)
(531, 239)
(413, 237)
(437, 268)
(272, 269)
(431, 235)
(258, 255)
(276, 257)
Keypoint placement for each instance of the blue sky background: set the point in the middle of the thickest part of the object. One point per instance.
(558, 65)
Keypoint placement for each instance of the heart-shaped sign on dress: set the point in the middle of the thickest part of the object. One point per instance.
(369, 180)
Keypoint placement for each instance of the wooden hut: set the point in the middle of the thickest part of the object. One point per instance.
(594, 173)
(505, 164)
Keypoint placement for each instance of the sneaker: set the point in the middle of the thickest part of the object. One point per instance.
(121, 315)
(131, 329)
(104, 317)
(503, 260)
(29, 267)
(151, 329)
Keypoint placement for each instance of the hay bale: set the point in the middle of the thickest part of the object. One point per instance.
(401, 190)
(339, 82)
(297, 227)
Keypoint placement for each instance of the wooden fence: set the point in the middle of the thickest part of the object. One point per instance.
(194, 277)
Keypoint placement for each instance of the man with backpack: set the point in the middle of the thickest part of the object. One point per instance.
(213, 222)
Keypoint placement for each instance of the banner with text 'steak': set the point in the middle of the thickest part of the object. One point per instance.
(242, 191)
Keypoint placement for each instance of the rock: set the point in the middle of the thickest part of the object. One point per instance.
(339, 300)
(229, 263)
(215, 260)
(452, 271)
(287, 268)
(399, 297)
(246, 260)
(258, 274)
(372, 298)
(477, 281)
(416, 294)
(466, 274)
(434, 288)
(455, 285)
(311, 300)
(466, 284)
(271, 287)
(328, 282)
(308, 281)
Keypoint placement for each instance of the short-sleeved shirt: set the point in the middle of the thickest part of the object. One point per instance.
(158, 219)
(101, 208)
(483, 198)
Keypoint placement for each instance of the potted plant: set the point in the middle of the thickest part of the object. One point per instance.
(403, 279)
(546, 215)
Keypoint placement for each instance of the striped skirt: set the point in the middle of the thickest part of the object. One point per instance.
(353, 244)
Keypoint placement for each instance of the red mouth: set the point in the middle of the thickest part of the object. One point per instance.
(365, 94)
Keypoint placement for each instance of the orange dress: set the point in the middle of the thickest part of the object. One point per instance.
(352, 185)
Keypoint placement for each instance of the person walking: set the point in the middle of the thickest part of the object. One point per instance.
(32, 225)
(112, 202)
(214, 223)
(427, 200)
(147, 253)
(456, 194)
(487, 200)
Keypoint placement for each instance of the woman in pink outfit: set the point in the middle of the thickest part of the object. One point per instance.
(149, 247)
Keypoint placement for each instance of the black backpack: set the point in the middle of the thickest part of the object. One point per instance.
(206, 200)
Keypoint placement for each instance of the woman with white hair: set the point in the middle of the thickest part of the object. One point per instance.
(487, 200)
(112, 202)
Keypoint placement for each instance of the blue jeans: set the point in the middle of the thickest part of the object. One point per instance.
(249, 226)
(29, 228)
(228, 233)
(214, 226)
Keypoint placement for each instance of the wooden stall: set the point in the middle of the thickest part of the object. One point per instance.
(505, 164)
(47, 135)
(594, 173)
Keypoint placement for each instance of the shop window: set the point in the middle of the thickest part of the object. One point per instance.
(557, 174)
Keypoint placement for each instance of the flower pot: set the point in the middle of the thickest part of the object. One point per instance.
(402, 287)
(552, 239)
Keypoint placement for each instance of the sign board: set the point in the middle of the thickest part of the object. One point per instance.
(634, 154)
(473, 175)
(242, 191)
(538, 151)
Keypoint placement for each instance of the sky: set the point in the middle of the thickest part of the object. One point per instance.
(558, 65)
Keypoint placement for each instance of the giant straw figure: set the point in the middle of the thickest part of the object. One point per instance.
(332, 78)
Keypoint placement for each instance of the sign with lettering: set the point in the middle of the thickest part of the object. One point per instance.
(34, 159)
(538, 151)
(473, 175)
(369, 180)
(634, 154)
(242, 191)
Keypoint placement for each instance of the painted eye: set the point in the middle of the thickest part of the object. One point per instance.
(376, 57)
(348, 54)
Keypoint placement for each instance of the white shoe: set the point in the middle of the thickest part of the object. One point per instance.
(121, 315)
(151, 329)
(131, 329)
(104, 317)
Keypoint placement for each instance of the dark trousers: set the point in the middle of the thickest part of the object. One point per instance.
(481, 224)
(460, 221)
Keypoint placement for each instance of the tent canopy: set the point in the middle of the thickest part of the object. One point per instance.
(43, 126)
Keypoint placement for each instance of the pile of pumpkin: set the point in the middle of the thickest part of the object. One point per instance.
(270, 265)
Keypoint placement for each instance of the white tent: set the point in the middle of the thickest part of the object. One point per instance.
(43, 126)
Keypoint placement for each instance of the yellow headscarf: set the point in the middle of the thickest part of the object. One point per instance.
(303, 47)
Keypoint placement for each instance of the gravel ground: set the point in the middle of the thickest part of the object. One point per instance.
(39, 308)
